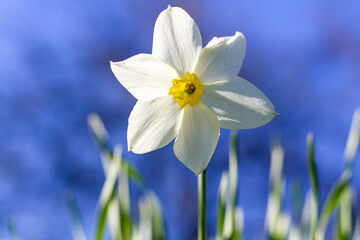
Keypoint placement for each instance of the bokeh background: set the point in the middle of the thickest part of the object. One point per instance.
(54, 71)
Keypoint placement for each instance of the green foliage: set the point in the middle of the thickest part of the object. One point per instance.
(277, 221)
(114, 208)
(116, 216)
(339, 201)
(279, 224)
(230, 216)
(221, 204)
(77, 227)
(331, 203)
(12, 229)
(314, 192)
(346, 215)
(353, 140)
(98, 129)
(344, 224)
(202, 205)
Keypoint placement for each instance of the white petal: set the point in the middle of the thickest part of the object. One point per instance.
(146, 77)
(197, 138)
(177, 39)
(221, 58)
(153, 124)
(238, 104)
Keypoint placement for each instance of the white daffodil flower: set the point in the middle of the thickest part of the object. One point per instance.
(189, 92)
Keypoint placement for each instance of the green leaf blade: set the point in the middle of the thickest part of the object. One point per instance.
(353, 140)
(332, 201)
(77, 226)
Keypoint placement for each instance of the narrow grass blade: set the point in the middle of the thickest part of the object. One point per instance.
(356, 235)
(297, 200)
(111, 178)
(145, 219)
(314, 197)
(283, 226)
(202, 205)
(332, 202)
(352, 143)
(101, 223)
(133, 174)
(136, 233)
(222, 192)
(113, 217)
(233, 170)
(306, 211)
(272, 213)
(13, 229)
(239, 224)
(233, 231)
(274, 221)
(108, 193)
(295, 233)
(309, 216)
(229, 227)
(295, 230)
(157, 217)
(314, 214)
(277, 160)
(98, 129)
(125, 204)
(312, 166)
(344, 223)
(77, 227)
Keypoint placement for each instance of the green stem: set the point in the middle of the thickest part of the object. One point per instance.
(202, 205)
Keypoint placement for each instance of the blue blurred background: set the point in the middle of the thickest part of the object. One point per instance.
(54, 70)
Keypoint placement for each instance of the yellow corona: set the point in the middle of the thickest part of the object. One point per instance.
(187, 90)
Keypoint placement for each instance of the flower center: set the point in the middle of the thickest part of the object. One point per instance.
(187, 90)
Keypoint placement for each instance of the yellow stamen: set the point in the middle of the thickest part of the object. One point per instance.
(187, 90)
